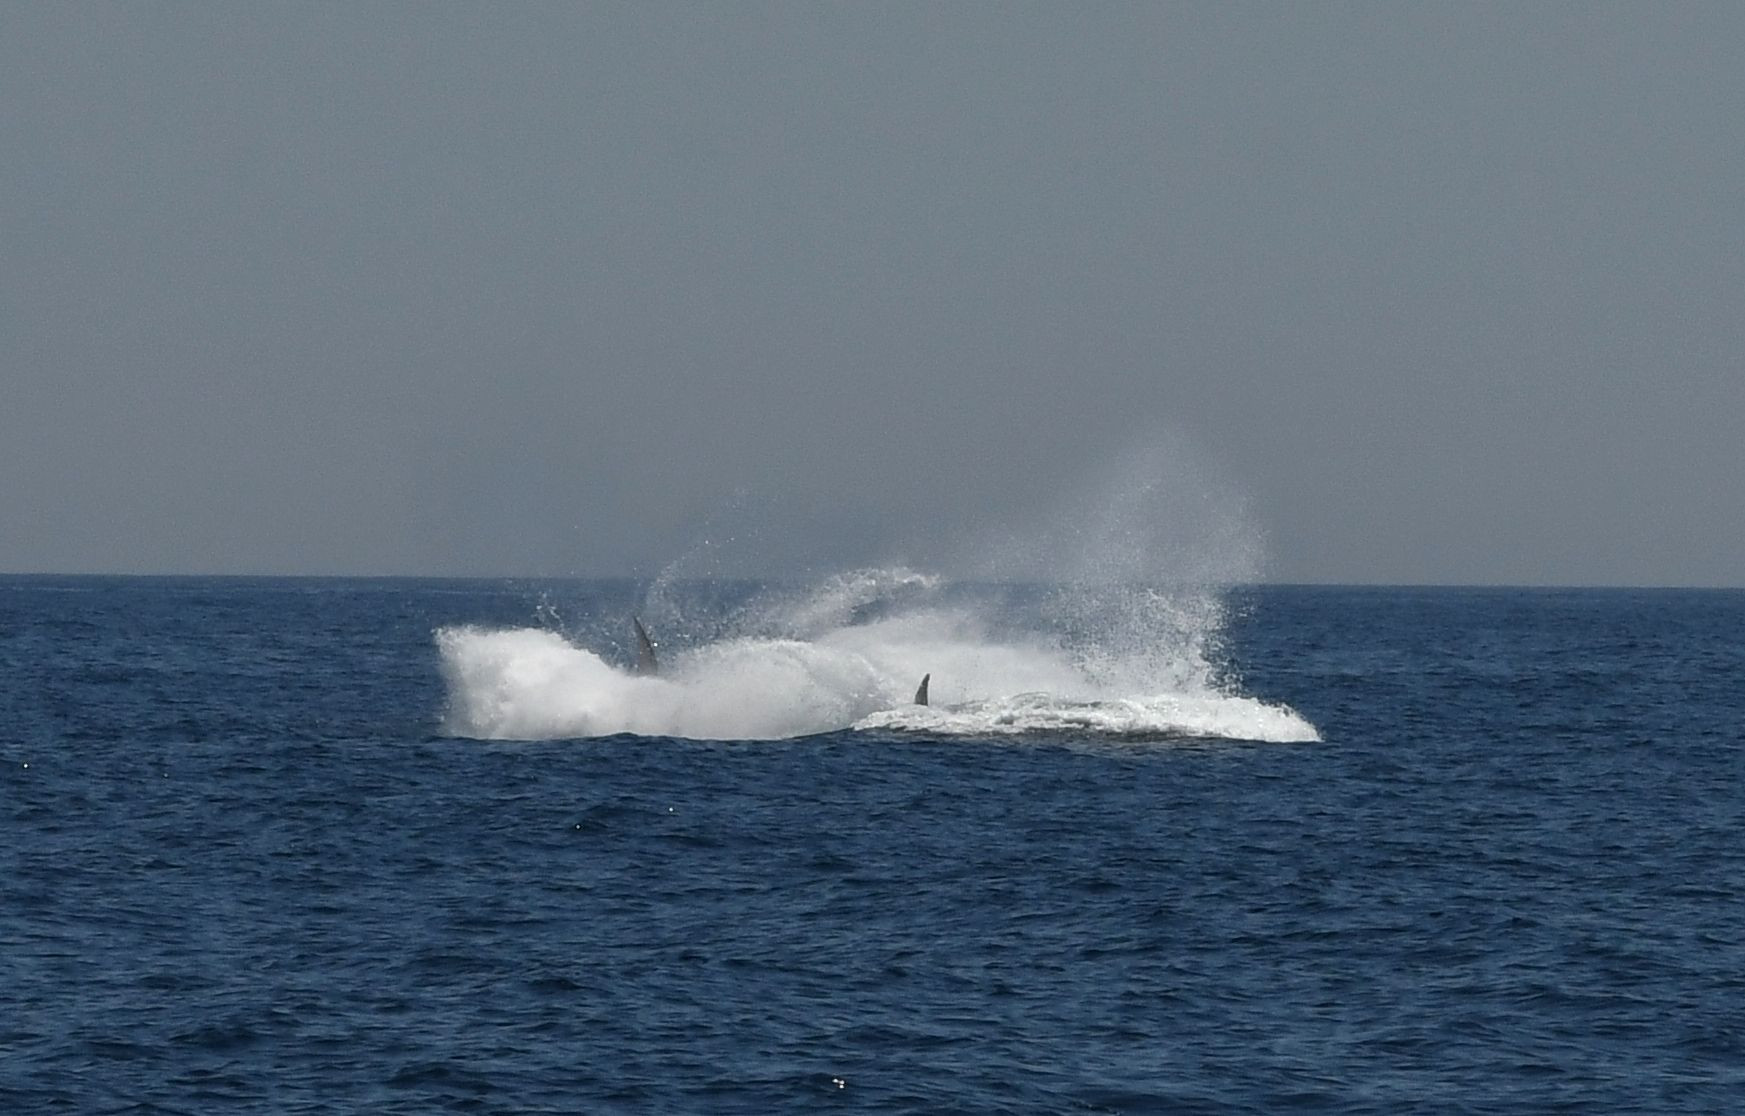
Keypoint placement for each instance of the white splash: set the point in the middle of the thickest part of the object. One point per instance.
(1128, 663)
(1219, 716)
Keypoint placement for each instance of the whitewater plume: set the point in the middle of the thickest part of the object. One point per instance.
(1103, 615)
(846, 654)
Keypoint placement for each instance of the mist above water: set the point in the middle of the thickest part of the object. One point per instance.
(1105, 617)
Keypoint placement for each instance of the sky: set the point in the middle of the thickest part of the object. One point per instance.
(1361, 293)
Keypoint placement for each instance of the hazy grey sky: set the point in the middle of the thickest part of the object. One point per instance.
(1435, 292)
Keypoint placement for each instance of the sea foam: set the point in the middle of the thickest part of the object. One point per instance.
(848, 654)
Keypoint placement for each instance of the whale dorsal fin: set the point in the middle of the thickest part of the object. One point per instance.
(921, 692)
(646, 663)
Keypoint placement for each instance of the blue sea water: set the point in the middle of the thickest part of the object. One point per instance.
(309, 846)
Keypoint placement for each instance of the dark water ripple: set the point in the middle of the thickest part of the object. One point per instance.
(240, 873)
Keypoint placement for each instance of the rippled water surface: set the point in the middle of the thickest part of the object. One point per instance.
(252, 863)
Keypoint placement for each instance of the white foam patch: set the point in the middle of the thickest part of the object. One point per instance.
(1166, 715)
(532, 684)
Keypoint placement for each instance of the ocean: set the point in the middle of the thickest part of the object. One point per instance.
(401, 846)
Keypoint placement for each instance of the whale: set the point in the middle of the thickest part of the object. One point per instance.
(646, 663)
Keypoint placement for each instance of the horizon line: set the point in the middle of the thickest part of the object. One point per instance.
(641, 577)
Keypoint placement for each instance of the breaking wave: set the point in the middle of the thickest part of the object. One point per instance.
(1114, 660)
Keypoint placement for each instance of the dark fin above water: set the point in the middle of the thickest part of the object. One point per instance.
(646, 663)
(921, 694)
